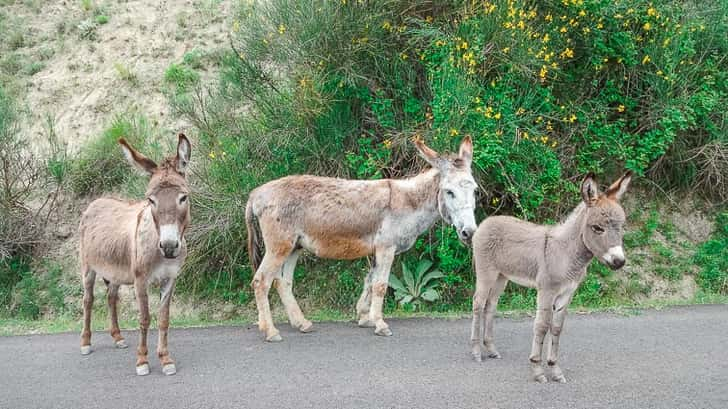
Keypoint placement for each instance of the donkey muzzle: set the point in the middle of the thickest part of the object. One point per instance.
(169, 242)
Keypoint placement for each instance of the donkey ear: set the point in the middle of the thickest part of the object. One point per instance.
(589, 190)
(183, 153)
(430, 155)
(616, 191)
(136, 159)
(466, 150)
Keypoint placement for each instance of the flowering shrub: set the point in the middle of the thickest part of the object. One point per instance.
(548, 91)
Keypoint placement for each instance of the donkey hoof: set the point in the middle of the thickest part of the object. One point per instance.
(494, 355)
(274, 338)
(384, 332)
(365, 323)
(85, 349)
(477, 357)
(307, 326)
(121, 344)
(540, 378)
(559, 378)
(169, 369)
(142, 369)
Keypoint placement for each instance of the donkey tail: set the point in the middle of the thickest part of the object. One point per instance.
(255, 242)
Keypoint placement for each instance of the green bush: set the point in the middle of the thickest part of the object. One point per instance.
(100, 166)
(548, 91)
(712, 258)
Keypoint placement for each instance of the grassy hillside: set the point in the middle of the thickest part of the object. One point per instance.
(547, 90)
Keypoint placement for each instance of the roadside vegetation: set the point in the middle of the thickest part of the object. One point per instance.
(548, 92)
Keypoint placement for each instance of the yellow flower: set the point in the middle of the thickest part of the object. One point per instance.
(620, 108)
(428, 19)
(549, 17)
(281, 29)
(524, 135)
(387, 25)
(387, 143)
(563, 29)
(429, 116)
(520, 111)
(505, 50)
(477, 100)
(572, 118)
(646, 59)
(543, 72)
(495, 201)
(659, 72)
(497, 115)
(212, 155)
(651, 11)
(440, 43)
(647, 26)
(464, 45)
(454, 132)
(567, 53)
(546, 38)
(600, 25)
(236, 26)
(403, 56)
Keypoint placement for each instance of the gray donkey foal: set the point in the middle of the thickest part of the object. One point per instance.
(552, 259)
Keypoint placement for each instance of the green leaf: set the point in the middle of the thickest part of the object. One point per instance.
(409, 279)
(406, 299)
(430, 295)
(422, 267)
(432, 275)
(396, 284)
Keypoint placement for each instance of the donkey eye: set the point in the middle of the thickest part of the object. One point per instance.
(450, 193)
(182, 199)
(151, 201)
(597, 229)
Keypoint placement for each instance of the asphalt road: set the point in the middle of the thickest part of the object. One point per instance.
(674, 358)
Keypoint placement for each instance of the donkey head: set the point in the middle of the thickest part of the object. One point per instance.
(167, 193)
(456, 195)
(604, 225)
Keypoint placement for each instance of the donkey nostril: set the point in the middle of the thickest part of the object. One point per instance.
(176, 244)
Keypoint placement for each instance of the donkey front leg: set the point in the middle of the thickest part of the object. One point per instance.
(545, 302)
(365, 300)
(166, 290)
(384, 258)
(140, 287)
(558, 324)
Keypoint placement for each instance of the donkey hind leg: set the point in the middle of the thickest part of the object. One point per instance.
(270, 268)
(365, 300)
(88, 277)
(384, 258)
(490, 308)
(112, 298)
(483, 284)
(541, 325)
(284, 285)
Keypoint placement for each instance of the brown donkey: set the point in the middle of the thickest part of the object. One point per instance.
(552, 259)
(348, 219)
(138, 242)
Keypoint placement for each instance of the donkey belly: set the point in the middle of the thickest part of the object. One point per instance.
(337, 247)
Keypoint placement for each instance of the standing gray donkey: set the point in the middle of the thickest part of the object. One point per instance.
(348, 219)
(552, 259)
(138, 242)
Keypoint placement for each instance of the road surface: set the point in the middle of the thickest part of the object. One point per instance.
(675, 358)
